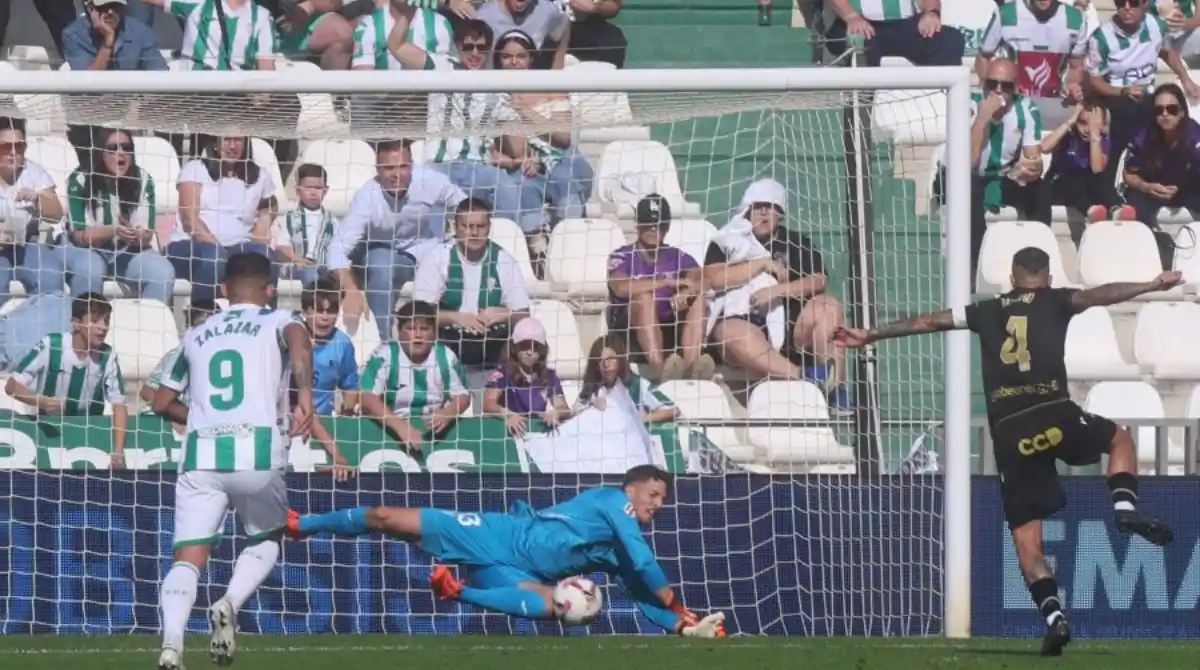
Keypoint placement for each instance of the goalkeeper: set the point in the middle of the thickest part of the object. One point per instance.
(513, 560)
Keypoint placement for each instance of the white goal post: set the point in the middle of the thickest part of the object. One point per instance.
(677, 87)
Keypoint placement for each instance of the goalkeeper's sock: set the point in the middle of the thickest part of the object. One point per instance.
(1045, 596)
(512, 601)
(352, 521)
(176, 599)
(253, 567)
(1123, 487)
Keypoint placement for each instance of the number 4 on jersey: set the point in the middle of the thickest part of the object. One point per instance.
(1015, 350)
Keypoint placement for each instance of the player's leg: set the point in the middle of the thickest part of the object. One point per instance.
(1123, 481)
(200, 507)
(1043, 587)
(497, 588)
(400, 523)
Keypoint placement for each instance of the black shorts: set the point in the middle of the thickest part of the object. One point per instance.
(618, 324)
(1027, 446)
(476, 350)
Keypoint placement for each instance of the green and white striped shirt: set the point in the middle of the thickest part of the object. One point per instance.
(429, 30)
(540, 146)
(469, 117)
(160, 373)
(877, 10)
(446, 279)
(84, 211)
(645, 396)
(1186, 7)
(308, 233)
(53, 369)
(1127, 59)
(1020, 128)
(249, 34)
(414, 390)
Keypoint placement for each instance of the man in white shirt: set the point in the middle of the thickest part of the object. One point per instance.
(391, 221)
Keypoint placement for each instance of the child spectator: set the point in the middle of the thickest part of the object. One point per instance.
(334, 366)
(307, 229)
(525, 386)
(608, 363)
(1079, 151)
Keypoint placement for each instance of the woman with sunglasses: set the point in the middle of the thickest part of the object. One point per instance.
(111, 215)
(1162, 167)
(28, 199)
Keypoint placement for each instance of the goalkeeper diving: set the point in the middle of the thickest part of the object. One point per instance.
(512, 561)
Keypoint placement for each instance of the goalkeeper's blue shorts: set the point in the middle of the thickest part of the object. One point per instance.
(468, 538)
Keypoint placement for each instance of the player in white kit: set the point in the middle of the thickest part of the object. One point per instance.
(235, 368)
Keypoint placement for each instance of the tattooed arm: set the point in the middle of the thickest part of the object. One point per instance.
(932, 322)
(1111, 294)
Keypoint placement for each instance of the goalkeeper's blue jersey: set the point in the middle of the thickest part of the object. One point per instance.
(595, 531)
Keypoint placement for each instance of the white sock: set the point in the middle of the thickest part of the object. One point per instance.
(176, 599)
(253, 567)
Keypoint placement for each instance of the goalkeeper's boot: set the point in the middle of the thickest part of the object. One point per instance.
(170, 659)
(1058, 635)
(223, 620)
(293, 525)
(1154, 531)
(444, 584)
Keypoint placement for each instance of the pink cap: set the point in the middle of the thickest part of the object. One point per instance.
(529, 329)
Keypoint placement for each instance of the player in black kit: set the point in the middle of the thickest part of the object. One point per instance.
(1032, 419)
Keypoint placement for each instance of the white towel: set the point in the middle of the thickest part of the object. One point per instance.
(737, 240)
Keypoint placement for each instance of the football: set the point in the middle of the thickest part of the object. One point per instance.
(577, 601)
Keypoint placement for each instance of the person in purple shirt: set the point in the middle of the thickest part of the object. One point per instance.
(1162, 166)
(655, 290)
(526, 387)
(1079, 157)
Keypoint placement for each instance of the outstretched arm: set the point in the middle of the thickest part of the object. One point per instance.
(1116, 292)
(923, 323)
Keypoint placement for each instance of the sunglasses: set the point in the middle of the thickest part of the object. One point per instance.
(527, 345)
(469, 47)
(1127, 3)
(1169, 110)
(1000, 85)
(122, 147)
(12, 147)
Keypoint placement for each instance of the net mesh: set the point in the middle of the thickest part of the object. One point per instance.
(775, 528)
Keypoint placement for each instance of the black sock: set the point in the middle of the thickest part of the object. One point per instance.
(1045, 596)
(1124, 487)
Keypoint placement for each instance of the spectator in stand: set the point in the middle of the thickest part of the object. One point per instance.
(103, 38)
(28, 199)
(334, 365)
(526, 387)
(543, 20)
(656, 298)
(593, 35)
(428, 29)
(549, 164)
(1123, 57)
(1162, 167)
(313, 30)
(1046, 39)
(392, 220)
(772, 315)
(1006, 150)
(1079, 151)
(477, 286)
(307, 230)
(111, 218)
(226, 205)
(608, 364)
(57, 14)
(1182, 21)
(197, 313)
(468, 158)
(910, 29)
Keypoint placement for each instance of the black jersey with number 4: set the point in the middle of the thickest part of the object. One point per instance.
(1022, 335)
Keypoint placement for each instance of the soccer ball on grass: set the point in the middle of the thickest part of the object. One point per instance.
(577, 601)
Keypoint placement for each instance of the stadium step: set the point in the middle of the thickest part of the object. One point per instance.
(717, 46)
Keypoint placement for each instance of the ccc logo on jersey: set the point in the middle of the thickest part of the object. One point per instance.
(1048, 439)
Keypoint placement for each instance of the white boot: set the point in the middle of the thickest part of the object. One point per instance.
(170, 659)
(223, 620)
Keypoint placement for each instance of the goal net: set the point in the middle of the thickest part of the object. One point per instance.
(802, 507)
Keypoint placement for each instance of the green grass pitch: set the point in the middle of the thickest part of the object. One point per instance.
(354, 652)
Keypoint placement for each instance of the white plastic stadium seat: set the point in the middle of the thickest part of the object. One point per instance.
(578, 254)
(158, 158)
(706, 400)
(142, 332)
(1113, 251)
(1187, 253)
(910, 117)
(57, 156)
(417, 148)
(1165, 338)
(1132, 400)
(562, 334)
(1092, 349)
(510, 237)
(1005, 238)
(264, 156)
(349, 164)
(365, 336)
(631, 169)
(318, 118)
(810, 445)
(571, 391)
(691, 235)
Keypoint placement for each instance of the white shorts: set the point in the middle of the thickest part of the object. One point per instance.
(203, 497)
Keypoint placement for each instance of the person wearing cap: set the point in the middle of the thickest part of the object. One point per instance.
(787, 330)
(655, 291)
(477, 286)
(414, 378)
(525, 386)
